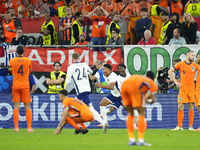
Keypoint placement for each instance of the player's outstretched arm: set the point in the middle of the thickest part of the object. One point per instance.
(110, 87)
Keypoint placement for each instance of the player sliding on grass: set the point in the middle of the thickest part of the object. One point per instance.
(135, 91)
(75, 112)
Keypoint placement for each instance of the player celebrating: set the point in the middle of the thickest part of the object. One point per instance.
(79, 72)
(187, 70)
(20, 68)
(135, 91)
(75, 112)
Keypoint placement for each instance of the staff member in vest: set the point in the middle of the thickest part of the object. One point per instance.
(193, 8)
(166, 23)
(76, 28)
(49, 32)
(62, 9)
(9, 27)
(155, 8)
(56, 79)
(112, 25)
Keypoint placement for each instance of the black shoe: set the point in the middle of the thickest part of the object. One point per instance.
(78, 131)
(85, 131)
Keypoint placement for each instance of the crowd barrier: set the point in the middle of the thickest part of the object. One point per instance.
(47, 109)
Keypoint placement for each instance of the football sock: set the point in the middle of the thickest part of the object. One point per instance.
(180, 118)
(129, 124)
(82, 126)
(191, 117)
(72, 123)
(16, 117)
(141, 127)
(108, 110)
(96, 115)
(28, 118)
(103, 113)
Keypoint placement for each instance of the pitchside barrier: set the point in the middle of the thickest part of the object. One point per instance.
(47, 110)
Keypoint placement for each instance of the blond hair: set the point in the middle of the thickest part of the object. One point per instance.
(75, 56)
(191, 18)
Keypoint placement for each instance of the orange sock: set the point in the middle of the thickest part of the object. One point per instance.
(180, 118)
(129, 124)
(16, 118)
(72, 123)
(141, 127)
(82, 125)
(191, 118)
(29, 118)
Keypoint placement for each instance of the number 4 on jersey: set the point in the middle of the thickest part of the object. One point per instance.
(20, 70)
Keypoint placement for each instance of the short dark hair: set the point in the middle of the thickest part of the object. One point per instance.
(20, 49)
(116, 30)
(121, 65)
(144, 9)
(56, 63)
(177, 60)
(18, 28)
(178, 29)
(150, 74)
(7, 13)
(77, 14)
(63, 92)
(108, 66)
(51, 1)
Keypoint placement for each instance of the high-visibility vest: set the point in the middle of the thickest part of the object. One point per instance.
(47, 38)
(72, 35)
(163, 32)
(62, 11)
(54, 89)
(194, 9)
(109, 33)
(153, 10)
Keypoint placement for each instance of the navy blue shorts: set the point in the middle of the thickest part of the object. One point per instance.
(85, 98)
(116, 101)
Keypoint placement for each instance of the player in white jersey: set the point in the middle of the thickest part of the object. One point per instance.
(79, 73)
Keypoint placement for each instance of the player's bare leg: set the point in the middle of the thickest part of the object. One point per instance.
(191, 115)
(198, 108)
(16, 116)
(180, 117)
(27, 107)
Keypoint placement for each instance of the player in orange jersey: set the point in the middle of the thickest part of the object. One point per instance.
(20, 68)
(135, 91)
(197, 103)
(75, 111)
(186, 86)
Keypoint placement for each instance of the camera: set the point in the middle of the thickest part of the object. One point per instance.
(162, 76)
(94, 69)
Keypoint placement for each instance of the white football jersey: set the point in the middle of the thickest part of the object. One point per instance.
(113, 78)
(121, 79)
(79, 73)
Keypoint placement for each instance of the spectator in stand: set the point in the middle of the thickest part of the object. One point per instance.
(24, 10)
(142, 24)
(58, 3)
(115, 39)
(176, 6)
(4, 7)
(99, 27)
(190, 28)
(177, 39)
(129, 10)
(175, 24)
(148, 39)
(17, 2)
(78, 6)
(193, 7)
(155, 8)
(39, 9)
(53, 11)
(91, 6)
(9, 27)
(112, 25)
(110, 7)
(141, 4)
(166, 23)
(65, 26)
(13, 13)
(19, 39)
(82, 41)
(164, 3)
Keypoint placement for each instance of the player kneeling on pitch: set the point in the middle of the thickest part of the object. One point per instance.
(75, 112)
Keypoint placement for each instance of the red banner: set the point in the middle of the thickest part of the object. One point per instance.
(43, 58)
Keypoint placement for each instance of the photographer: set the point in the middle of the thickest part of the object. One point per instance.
(99, 76)
(161, 79)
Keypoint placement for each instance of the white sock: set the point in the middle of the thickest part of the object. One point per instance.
(96, 115)
(141, 140)
(108, 111)
(132, 139)
(103, 113)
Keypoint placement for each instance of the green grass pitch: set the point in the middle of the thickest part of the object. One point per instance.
(114, 139)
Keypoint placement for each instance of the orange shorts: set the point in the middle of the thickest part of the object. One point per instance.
(186, 96)
(79, 118)
(21, 94)
(132, 96)
(197, 102)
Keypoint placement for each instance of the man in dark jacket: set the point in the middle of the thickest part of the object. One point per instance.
(20, 38)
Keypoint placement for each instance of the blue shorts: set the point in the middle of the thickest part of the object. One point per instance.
(116, 101)
(85, 98)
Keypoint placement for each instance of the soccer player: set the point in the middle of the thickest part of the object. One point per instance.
(79, 72)
(20, 68)
(186, 86)
(75, 112)
(135, 91)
